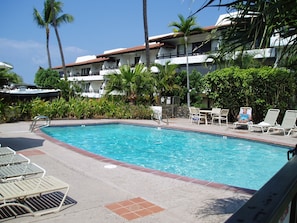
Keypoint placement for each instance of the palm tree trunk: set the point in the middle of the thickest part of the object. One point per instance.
(61, 53)
(58, 39)
(147, 48)
(47, 49)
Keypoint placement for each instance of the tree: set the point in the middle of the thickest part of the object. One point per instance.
(165, 80)
(257, 21)
(56, 21)
(131, 82)
(43, 20)
(47, 78)
(7, 76)
(186, 27)
(145, 25)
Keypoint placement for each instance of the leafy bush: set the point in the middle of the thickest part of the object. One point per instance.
(259, 88)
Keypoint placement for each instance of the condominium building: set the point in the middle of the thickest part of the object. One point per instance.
(90, 72)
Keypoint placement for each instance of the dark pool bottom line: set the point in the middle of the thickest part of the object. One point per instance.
(146, 170)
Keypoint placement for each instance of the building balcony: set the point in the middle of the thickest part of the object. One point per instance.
(87, 78)
(192, 59)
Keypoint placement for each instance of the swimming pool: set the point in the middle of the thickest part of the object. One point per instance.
(214, 158)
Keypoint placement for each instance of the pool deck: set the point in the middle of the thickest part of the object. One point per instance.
(111, 192)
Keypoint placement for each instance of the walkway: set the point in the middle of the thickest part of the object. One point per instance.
(111, 195)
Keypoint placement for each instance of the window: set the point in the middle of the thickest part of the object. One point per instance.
(136, 60)
(181, 50)
(201, 47)
(85, 71)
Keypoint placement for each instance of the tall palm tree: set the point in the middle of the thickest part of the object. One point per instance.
(165, 79)
(186, 26)
(131, 82)
(56, 21)
(43, 20)
(145, 25)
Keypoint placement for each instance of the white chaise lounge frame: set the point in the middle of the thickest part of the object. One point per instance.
(20, 171)
(13, 159)
(5, 150)
(11, 192)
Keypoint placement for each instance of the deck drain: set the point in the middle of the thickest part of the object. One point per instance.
(110, 166)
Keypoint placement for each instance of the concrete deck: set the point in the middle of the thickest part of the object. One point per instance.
(94, 186)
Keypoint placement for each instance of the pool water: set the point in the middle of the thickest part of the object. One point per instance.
(220, 159)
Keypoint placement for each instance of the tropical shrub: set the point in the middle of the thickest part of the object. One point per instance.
(47, 78)
(259, 88)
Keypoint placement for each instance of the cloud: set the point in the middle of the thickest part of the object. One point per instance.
(19, 45)
(28, 56)
(31, 52)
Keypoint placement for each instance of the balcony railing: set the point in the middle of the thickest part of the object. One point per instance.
(170, 55)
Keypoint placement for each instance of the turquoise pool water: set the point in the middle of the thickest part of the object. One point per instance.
(220, 159)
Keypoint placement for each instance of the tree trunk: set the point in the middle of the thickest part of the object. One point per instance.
(145, 25)
(62, 54)
(58, 39)
(47, 49)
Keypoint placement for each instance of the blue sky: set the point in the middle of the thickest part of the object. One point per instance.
(98, 26)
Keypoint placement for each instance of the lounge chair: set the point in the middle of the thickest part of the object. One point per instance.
(13, 159)
(249, 122)
(269, 121)
(20, 171)
(221, 116)
(288, 123)
(5, 150)
(15, 193)
(292, 131)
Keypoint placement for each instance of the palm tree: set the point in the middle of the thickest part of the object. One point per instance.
(43, 20)
(145, 25)
(165, 79)
(56, 21)
(186, 27)
(257, 21)
(131, 82)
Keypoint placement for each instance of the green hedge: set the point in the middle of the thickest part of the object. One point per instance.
(259, 88)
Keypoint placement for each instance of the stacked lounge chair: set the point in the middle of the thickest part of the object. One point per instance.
(21, 180)
(6, 151)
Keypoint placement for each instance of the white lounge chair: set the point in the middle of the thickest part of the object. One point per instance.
(221, 116)
(249, 112)
(270, 120)
(292, 131)
(14, 192)
(13, 159)
(20, 171)
(5, 150)
(288, 123)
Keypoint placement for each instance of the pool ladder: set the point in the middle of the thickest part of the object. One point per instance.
(37, 118)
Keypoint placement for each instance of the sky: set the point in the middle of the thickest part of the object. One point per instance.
(98, 26)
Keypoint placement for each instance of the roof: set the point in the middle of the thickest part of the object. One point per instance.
(175, 35)
(97, 60)
(133, 49)
(105, 56)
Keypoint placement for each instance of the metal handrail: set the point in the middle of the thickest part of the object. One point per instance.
(276, 201)
(38, 118)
